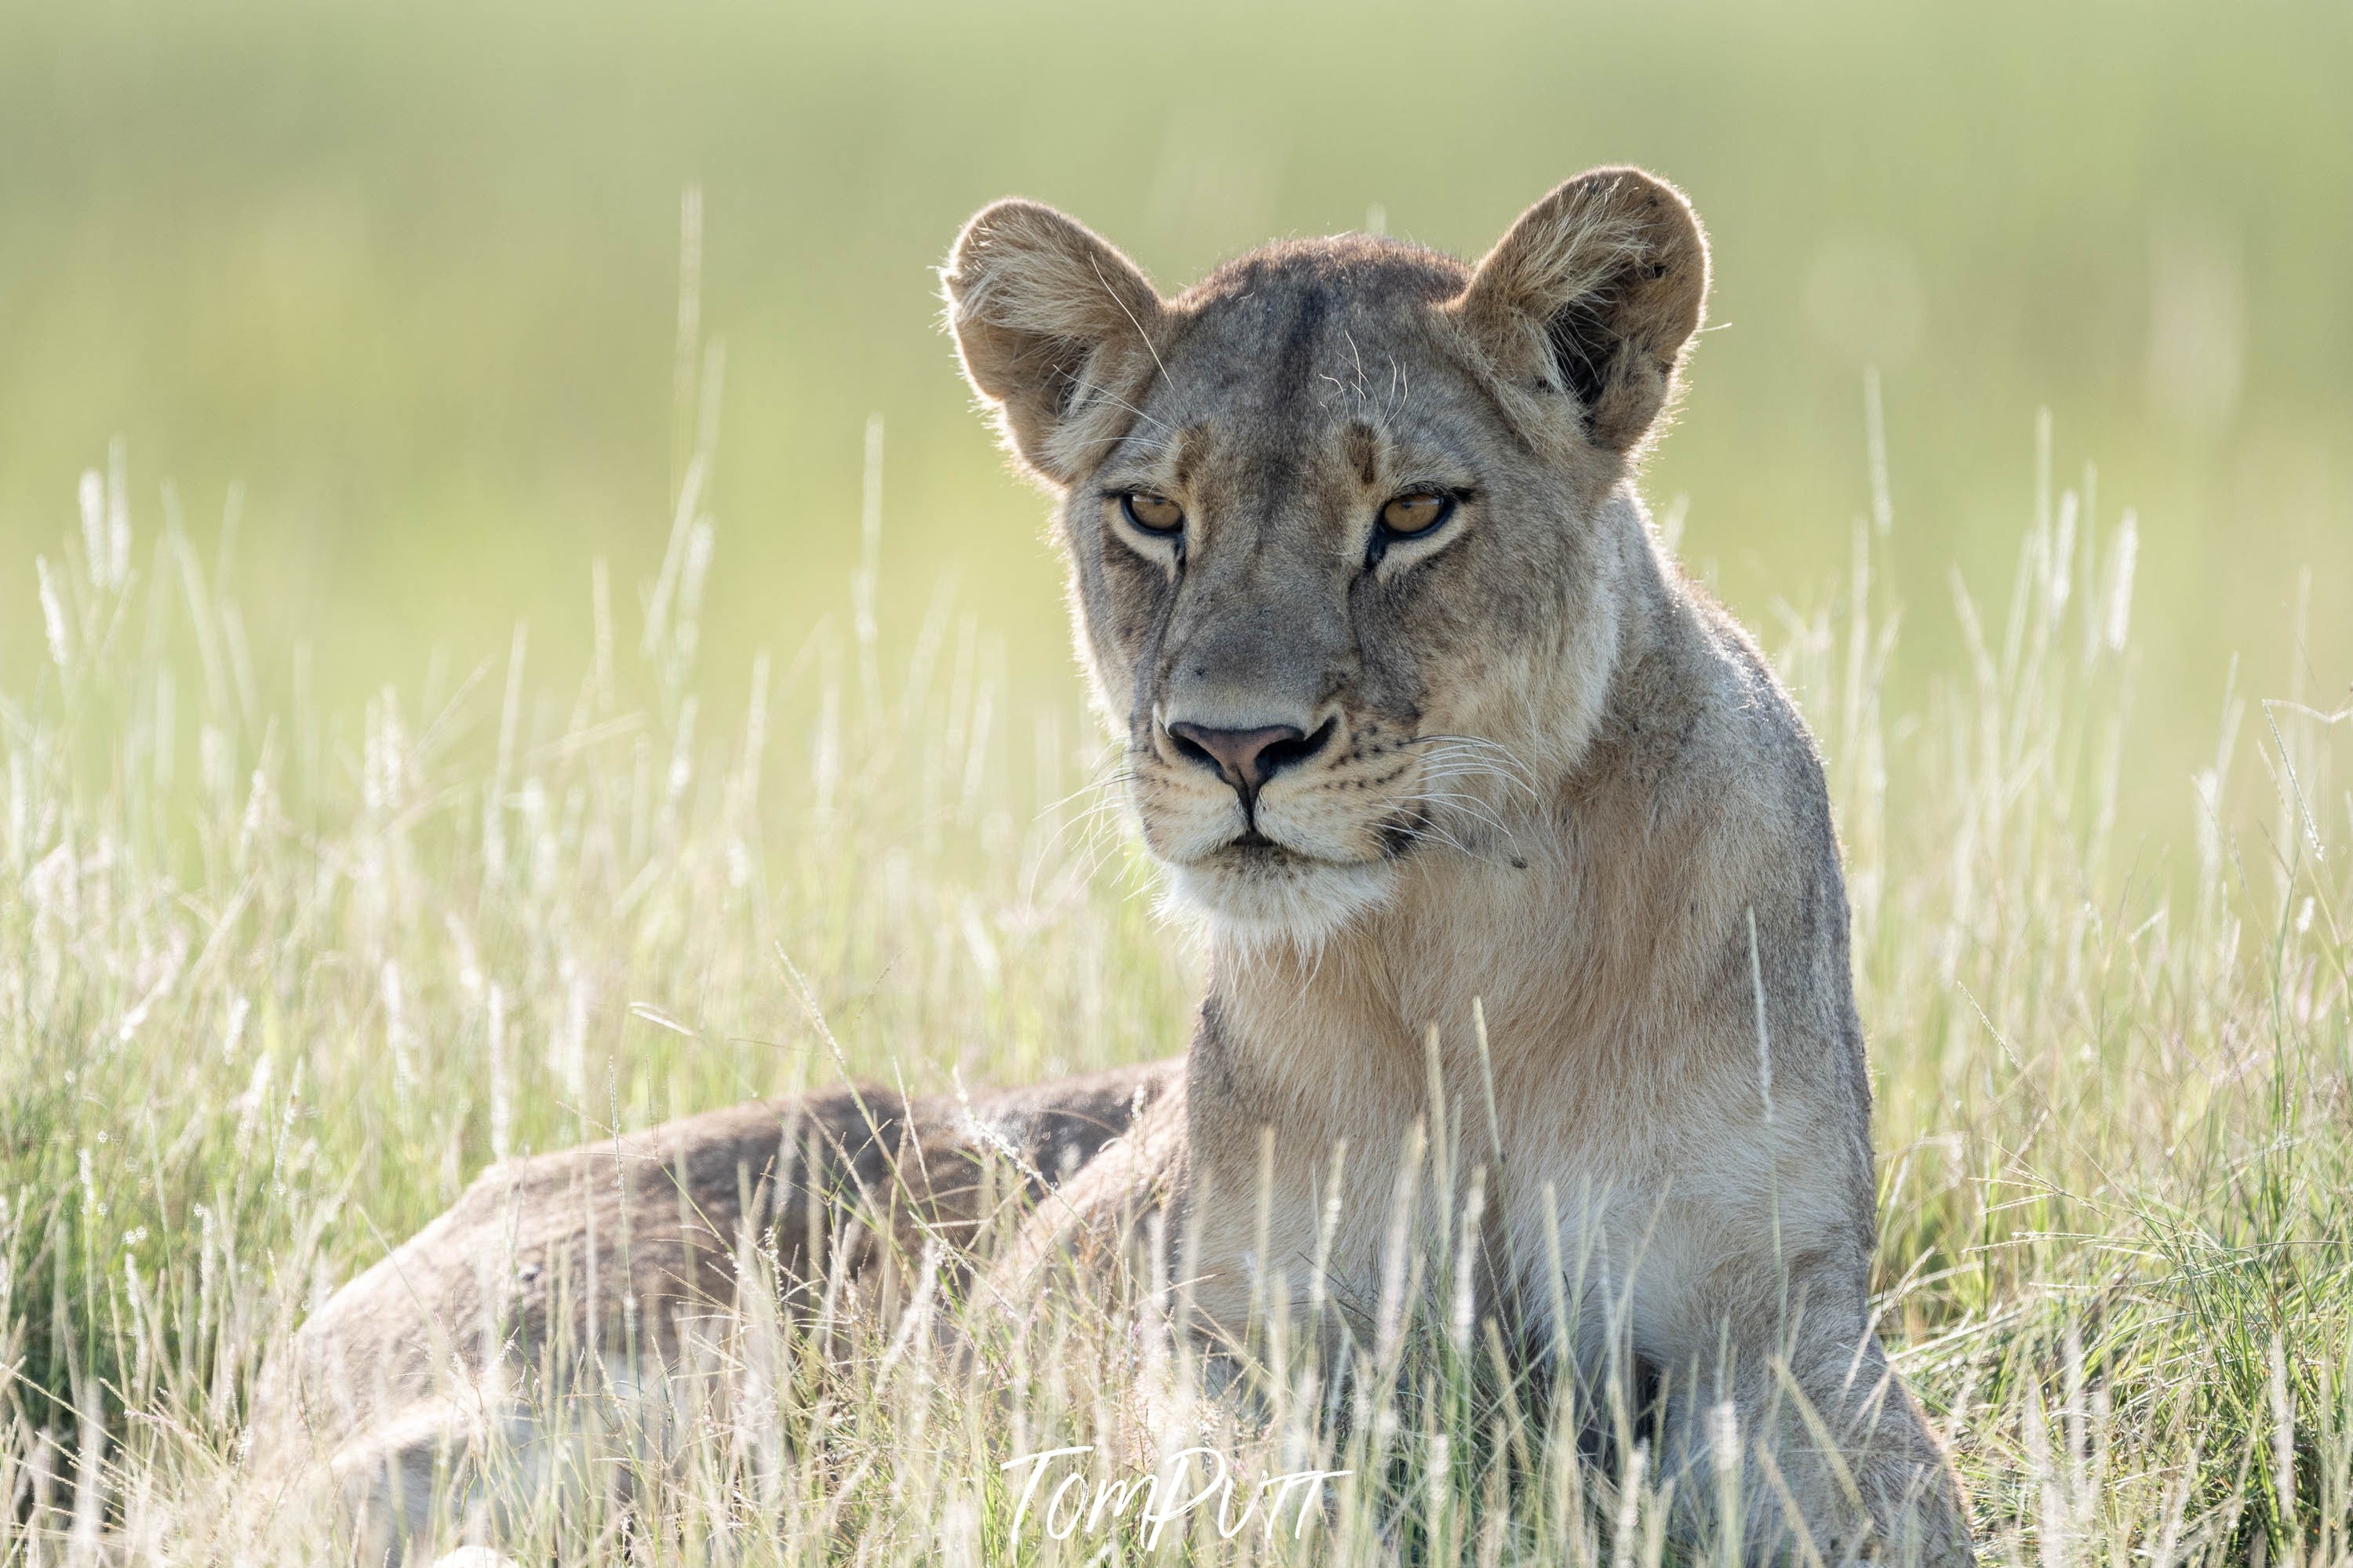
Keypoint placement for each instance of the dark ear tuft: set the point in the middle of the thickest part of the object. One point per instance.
(1594, 295)
(1055, 328)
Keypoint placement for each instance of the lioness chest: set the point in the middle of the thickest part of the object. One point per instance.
(1573, 1106)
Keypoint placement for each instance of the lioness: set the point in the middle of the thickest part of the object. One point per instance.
(1420, 722)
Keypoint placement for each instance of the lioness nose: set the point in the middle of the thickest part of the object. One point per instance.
(1246, 759)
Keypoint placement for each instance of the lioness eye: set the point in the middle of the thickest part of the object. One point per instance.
(1415, 514)
(1151, 513)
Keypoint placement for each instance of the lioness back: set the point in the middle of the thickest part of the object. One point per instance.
(593, 1266)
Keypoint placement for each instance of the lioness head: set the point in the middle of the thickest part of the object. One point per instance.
(1347, 522)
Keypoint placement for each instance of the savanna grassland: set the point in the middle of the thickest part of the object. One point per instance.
(278, 980)
(568, 719)
(395, 286)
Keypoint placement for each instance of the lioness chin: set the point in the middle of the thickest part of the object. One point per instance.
(1423, 725)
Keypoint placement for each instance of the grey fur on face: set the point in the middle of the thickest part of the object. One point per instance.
(1364, 694)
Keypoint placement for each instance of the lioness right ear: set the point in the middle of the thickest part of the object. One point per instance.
(1055, 328)
(1594, 295)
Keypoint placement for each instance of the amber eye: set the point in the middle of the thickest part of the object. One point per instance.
(1151, 513)
(1410, 516)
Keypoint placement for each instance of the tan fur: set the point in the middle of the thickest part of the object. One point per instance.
(587, 1271)
(1536, 776)
(1558, 786)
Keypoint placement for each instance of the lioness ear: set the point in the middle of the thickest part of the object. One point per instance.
(1055, 328)
(1593, 295)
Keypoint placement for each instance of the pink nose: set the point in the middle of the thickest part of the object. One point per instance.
(1246, 759)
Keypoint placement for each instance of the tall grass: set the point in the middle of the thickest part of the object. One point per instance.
(276, 981)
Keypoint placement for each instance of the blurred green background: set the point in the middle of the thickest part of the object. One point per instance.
(409, 274)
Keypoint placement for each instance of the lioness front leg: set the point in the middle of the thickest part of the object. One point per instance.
(1795, 1420)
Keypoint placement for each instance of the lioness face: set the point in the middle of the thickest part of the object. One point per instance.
(1335, 520)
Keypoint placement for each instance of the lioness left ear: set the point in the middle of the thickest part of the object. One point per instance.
(1594, 295)
(1056, 329)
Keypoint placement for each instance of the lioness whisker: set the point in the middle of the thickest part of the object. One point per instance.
(1469, 806)
(1465, 771)
(1504, 757)
(1083, 384)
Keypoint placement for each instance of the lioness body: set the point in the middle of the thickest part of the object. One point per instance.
(1604, 935)
(1430, 733)
(584, 1270)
